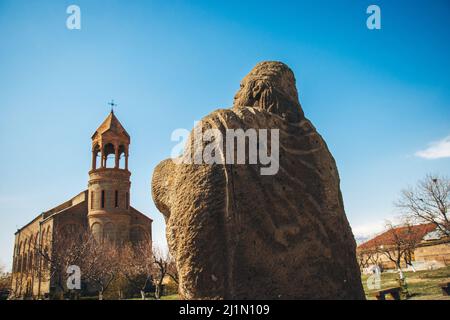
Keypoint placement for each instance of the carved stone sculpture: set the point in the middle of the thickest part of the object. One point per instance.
(239, 234)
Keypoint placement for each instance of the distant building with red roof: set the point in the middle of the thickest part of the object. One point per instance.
(430, 245)
(387, 238)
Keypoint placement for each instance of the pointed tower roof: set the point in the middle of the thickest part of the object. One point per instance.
(112, 124)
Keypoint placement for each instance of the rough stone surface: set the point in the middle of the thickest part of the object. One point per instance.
(237, 234)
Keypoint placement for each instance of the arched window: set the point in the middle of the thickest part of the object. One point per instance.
(109, 154)
(19, 248)
(122, 156)
(127, 200)
(25, 256)
(92, 200)
(95, 152)
(34, 251)
(97, 231)
(46, 235)
(36, 260)
(103, 199)
(25, 263)
(116, 199)
(30, 261)
(20, 264)
(46, 263)
(19, 257)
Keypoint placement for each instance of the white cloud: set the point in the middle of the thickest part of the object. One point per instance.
(436, 150)
(367, 230)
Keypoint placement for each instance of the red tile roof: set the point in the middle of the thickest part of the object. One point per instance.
(388, 238)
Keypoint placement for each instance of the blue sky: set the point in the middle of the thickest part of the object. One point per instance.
(377, 97)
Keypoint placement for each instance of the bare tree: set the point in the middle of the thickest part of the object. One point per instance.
(363, 258)
(141, 264)
(400, 243)
(137, 265)
(164, 266)
(369, 257)
(18, 278)
(375, 259)
(5, 282)
(60, 250)
(101, 265)
(172, 271)
(428, 202)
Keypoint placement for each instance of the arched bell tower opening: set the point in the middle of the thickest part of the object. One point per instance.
(109, 181)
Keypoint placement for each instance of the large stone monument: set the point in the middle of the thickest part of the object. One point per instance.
(237, 233)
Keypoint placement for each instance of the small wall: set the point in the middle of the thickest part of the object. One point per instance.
(437, 252)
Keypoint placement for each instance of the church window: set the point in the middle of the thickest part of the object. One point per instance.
(128, 200)
(30, 262)
(109, 154)
(25, 262)
(122, 157)
(116, 199)
(46, 263)
(103, 199)
(92, 199)
(97, 231)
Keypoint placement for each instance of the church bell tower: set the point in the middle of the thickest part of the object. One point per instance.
(109, 182)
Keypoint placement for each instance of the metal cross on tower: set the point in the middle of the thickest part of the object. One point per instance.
(112, 104)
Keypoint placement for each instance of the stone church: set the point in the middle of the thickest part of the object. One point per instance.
(104, 208)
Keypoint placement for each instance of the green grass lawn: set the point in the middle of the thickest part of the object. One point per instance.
(169, 297)
(422, 285)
